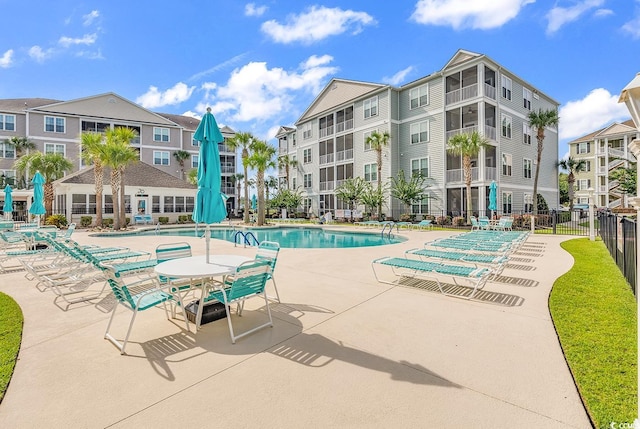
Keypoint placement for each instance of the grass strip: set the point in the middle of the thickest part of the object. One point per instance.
(595, 314)
(11, 321)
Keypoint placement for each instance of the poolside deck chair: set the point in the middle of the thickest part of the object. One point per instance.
(248, 281)
(476, 277)
(136, 293)
(169, 251)
(475, 225)
(484, 222)
(424, 224)
(268, 251)
(495, 262)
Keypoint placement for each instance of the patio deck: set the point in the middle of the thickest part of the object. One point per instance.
(345, 351)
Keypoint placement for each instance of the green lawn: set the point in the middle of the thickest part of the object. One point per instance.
(594, 312)
(10, 337)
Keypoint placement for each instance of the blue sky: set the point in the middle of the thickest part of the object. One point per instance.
(259, 65)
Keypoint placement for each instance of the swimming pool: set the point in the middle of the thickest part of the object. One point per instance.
(289, 237)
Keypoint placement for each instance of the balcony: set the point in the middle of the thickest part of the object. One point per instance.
(458, 175)
(227, 169)
(327, 186)
(343, 126)
(326, 131)
(326, 159)
(344, 155)
(466, 130)
(489, 91)
(490, 132)
(225, 148)
(462, 94)
(490, 173)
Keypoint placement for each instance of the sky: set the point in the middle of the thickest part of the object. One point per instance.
(260, 64)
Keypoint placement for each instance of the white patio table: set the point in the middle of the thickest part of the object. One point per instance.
(196, 267)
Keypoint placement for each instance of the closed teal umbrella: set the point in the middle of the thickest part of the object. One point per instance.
(37, 208)
(8, 202)
(493, 197)
(254, 202)
(210, 204)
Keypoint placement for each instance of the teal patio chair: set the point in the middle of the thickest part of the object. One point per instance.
(268, 250)
(248, 281)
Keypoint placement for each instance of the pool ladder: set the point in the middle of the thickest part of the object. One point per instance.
(390, 225)
(246, 237)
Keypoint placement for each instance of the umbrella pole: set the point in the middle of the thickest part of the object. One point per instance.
(208, 238)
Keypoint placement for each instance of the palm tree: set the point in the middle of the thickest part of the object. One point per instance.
(539, 121)
(237, 180)
(243, 141)
(93, 151)
(192, 176)
(467, 146)
(573, 166)
(261, 159)
(119, 154)
(351, 191)
(181, 156)
(21, 145)
(377, 142)
(52, 166)
(285, 161)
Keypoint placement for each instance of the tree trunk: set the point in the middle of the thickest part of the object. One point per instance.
(535, 181)
(98, 172)
(570, 181)
(239, 185)
(245, 155)
(260, 198)
(123, 207)
(466, 163)
(379, 165)
(115, 193)
(48, 198)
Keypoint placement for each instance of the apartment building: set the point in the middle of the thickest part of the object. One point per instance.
(471, 93)
(56, 126)
(603, 151)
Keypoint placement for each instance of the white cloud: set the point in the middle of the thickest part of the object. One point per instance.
(252, 10)
(559, 16)
(255, 92)
(91, 55)
(399, 77)
(633, 27)
(6, 60)
(90, 17)
(477, 14)
(175, 95)
(39, 54)
(317, 23)
(192, 114)
(598, 109)
(87, 39)
(600, 13)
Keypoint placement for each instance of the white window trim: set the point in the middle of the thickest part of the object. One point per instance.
(55, 118)
(527, 95)
(419, 126)
(4, 122)
(524, 163)
(420, 159)
(418, 90)
(307, 184)
(196, 158)
(55, 145)
(370, 101)
(526, 132)
(508, 164)
(365, 135)
(161, 157)
(507, 196)
(506, 83)
(304, 156)
(161, 133)
(373, 171)
(3, 150)
(509, 126)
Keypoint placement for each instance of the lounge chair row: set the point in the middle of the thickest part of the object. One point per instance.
(424, 224)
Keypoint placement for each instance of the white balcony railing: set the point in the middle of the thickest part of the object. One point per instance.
(490, 132)
(458, 174)
(344, 155)
(467, 130)
(326, 159)
(489, 91)
(326, 131)
(346, 125)
(462, 94)
(490, 173)
(327, 186)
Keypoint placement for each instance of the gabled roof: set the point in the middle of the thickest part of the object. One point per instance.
(227, 130)
(615, 129)
(337, 92)
(109, 106)
(283, 130)
(141, 175)
(461, 56)
(18, 105)
(189, 123)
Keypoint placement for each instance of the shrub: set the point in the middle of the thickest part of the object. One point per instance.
(107, 222)
(85, 221)
(163, 220)
(443, 220)
(458, 221)
(184, 218)
(58, 220)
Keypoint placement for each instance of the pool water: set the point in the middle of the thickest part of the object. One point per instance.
(290, 237)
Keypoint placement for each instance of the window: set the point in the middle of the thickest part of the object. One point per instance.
(371, 107)
(420, 207)
(160, 134)
(506, 164)
(194, 142)
(160, 157)
(194, 161)
(7, 150)
(419, 97)
(420, 132)
(528, 203)
(526, 97)
(306, 131)
(506, 87)
(306, 156)
(420, 167)
(526, 133)
(583, 184)
(365, 136)
(169, 206)
(584, 147)
(53, 124)
(307, 180)
(293, 183)
(54, 148)
(371, 172)
(506, 126)
(8, 122)
(587, 166)
(507, 198)
(9, 177)
(527, 168)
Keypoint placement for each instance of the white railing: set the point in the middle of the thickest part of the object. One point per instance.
(327, 186)
(613, 184)
(229, 190)
(615, 203)
(462, 94)
(458, 174)
(326, 131)
(490, 173)
(490, 132)
(620, 154)
(225, 148)
(346, 125)
(602, 150)
(340, 182)
(344, 155)
(326, 159)
(228, 169)
(465, 130)
(602, 189)
(489, 91)
(615, 163)
(602, 170)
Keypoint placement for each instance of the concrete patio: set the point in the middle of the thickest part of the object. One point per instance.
(345, 351)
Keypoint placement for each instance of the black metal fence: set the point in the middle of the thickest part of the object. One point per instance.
(619, 236)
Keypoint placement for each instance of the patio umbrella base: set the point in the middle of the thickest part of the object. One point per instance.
(210, 312)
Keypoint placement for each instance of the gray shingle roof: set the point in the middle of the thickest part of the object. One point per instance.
(140, 174)
(20, 104)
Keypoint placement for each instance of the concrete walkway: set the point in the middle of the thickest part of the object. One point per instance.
(345, 351)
